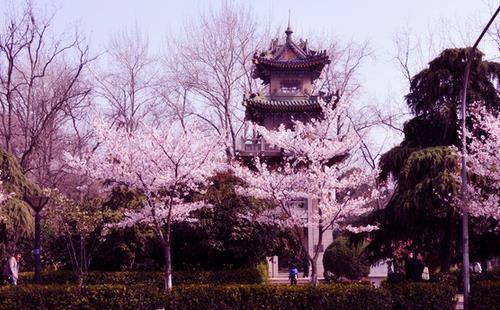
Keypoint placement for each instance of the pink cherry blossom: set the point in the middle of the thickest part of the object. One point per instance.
(166, 165)
(483, 160)
(317, 167)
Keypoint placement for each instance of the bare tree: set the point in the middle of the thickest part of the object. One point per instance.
(340, 77)
(42, 88)
(211, 59)
(129, 81)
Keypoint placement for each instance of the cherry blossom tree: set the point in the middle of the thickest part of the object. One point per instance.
(316, 165)
(484, 164)
(168, 166)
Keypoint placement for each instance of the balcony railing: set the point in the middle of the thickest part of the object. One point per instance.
(257, 146)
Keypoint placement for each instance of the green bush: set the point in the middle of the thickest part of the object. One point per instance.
(455, 278)
(239, 276)
(428, 296)
(492, 275)
(446, 278)
(394, 278)
(345, 260)
(485, 295)
(89, 297)
(194, 297)
(403, 296)
(263, 269)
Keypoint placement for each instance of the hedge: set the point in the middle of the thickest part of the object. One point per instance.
(194, 297)
(89, 297)
(455, 278)
(432, 296)
(485, 295)
(239, 276)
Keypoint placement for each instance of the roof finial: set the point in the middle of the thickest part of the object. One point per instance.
(289, 18)
(289, 29)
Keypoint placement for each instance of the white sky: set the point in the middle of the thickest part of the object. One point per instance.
(377, 21)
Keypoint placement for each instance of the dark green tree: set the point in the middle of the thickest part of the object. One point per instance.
(420, 212)
(16, 219)
(344, 259)
(223, 237)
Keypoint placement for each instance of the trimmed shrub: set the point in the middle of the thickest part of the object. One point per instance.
(404, 296)
(485, 295)
(239, 276)
(194, 297)
(455, 278)
(428, 296)
(89, 297)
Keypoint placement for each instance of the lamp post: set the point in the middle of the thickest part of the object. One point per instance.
(37, 203)
(463, 189)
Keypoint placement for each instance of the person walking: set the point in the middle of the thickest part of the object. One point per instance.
(293, 274)
(409, 267)
(419, 267)
(11, 268)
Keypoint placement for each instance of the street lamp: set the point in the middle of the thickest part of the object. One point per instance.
(37, 203)
(463, 194)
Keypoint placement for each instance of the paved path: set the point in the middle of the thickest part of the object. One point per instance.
(300, 281)
(460, 302)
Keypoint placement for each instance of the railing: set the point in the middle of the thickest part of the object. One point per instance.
(256, 145)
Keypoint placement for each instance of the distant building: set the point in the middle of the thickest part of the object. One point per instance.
(289, 70)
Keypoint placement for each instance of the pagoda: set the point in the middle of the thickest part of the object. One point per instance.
(288, 70)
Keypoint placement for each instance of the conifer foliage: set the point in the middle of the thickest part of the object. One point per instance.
(425, 165)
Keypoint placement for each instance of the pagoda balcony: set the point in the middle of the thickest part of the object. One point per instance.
(250, 147)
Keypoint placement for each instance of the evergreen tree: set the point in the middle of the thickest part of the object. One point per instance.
(420, 212)
(16, 220)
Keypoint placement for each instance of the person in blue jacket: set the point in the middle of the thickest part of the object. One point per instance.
(293, 274)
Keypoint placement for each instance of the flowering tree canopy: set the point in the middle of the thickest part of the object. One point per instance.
(484, 163)
(315, 166)
(166, 165)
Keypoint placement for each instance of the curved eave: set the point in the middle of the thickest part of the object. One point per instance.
(283, 105)
(263, 67)
(297, 64)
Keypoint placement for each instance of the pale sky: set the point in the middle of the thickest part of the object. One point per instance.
(377, 21)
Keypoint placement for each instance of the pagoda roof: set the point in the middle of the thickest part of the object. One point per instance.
(282, 105)
(288, 55)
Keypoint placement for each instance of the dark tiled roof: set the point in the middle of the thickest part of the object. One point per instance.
(316, 60)
(275, 59)
(262, 103)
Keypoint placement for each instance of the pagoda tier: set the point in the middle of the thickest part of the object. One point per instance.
(289, 57)
(308, 104)
(289, 69)
(271, 112)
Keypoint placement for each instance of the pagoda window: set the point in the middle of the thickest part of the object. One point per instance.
(290, 86)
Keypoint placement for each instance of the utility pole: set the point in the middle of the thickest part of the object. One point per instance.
(463, 191)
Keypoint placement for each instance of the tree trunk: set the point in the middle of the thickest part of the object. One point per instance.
(314, 272)
(81, 268)
(447, 248)
(314, 260)
(80, 278)
(168, 267)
